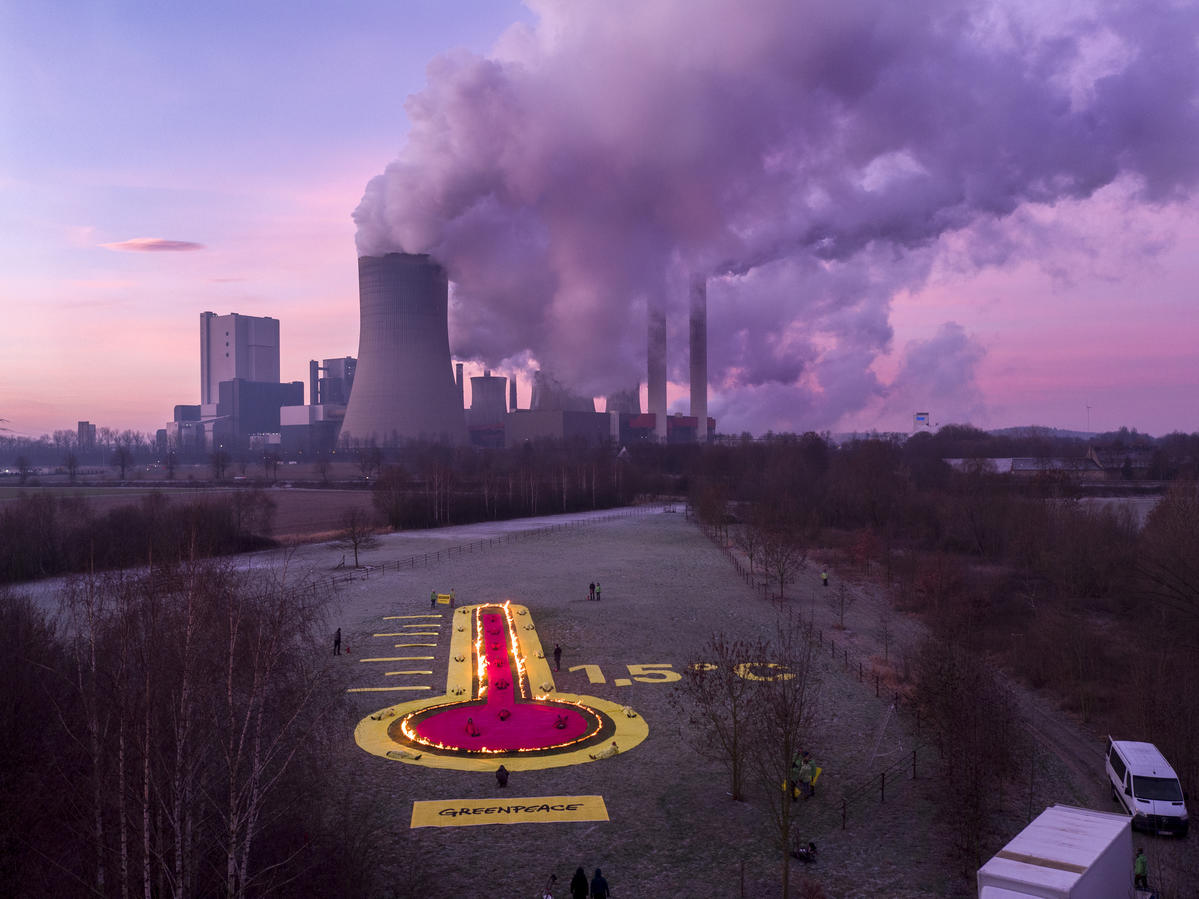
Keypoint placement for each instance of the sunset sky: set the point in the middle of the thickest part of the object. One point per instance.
(990, 216)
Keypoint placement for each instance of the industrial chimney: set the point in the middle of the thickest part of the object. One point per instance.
(699, 356)
(656, 368)
(404, 385)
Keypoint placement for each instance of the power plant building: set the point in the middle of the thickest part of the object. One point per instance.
(236, 346)
(240, 392)
(329, 382)
(487, 410)
(404, 385)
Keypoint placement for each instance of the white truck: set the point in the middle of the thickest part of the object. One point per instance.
(1065, 853)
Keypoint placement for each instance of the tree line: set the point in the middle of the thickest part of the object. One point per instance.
(1012, 576)
(165, 734)
(43, 534)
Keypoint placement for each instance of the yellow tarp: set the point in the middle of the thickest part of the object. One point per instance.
(526, 810)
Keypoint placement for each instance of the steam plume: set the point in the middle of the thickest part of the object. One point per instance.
(810, 152)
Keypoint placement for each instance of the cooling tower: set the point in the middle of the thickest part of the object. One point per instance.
(656, 369)
(404, 386)
(699, 355)
(627, 402)
(550, 394)
(487, 400)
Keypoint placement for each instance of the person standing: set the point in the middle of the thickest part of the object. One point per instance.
(578, 884)
(557, 657)
(824, 578)
(337, 642)
(591, 592)
(433, 600)
(1140, 871)
(597, 591)
(599, 886)
(807, 771)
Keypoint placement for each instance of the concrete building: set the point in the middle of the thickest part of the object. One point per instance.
(310, 431)
(550, 394)
(699, 353)
(487, 410)
(528, 425)
(236, 346)
(330, 381)
(404, 385)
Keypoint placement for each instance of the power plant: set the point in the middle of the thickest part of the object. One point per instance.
(404, 387)
(699, 356)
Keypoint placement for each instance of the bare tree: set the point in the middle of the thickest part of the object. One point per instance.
(980, 732)
(357, 532)
(841, 602)
(122, 457)
(71, 463)
(783, 555)
(784, 709)
(749, 541)
(323, 465)
(220, 463)
(24, 467)
(369, 458)
(718, 699)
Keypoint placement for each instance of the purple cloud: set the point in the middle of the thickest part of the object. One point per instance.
(152, 245)
(809, 156)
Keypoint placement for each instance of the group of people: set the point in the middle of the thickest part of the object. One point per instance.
(594, 592)
(581, 889)
(803, 776)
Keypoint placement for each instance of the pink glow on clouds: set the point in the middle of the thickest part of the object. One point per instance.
(153, 245)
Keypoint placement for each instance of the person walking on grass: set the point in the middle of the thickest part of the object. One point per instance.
(807, 772)
(337, 643)
(824, 578)
(597, 591)
(591, 592)
(1140, 871)
(578, 885)
(557, 657)
(599, 886)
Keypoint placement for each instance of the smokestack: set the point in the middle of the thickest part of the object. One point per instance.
(404, 383)
(699, 355)
(656, 368)
(512, 395)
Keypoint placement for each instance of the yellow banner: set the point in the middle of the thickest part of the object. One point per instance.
(527, 810)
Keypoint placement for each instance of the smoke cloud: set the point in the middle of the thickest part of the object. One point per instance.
(808, 155)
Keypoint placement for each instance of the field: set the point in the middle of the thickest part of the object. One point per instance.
(672, 829)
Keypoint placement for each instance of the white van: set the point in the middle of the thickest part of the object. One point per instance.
(1146, 786)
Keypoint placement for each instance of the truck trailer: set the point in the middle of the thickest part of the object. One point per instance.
(1065, 853)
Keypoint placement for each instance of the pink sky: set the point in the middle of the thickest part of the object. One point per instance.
(174, 127)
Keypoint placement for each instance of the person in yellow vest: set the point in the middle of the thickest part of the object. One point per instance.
(1140, 871)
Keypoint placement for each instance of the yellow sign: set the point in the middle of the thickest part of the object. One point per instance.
(527, 810)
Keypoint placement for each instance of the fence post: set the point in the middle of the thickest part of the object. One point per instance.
(859, 671)
(882, 789)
